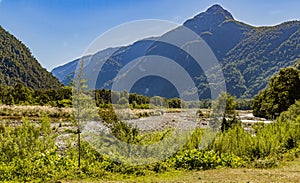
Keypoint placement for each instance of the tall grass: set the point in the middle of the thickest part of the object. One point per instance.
(269, 141)
(10, 111)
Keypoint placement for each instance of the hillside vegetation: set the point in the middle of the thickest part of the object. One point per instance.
(17, 65)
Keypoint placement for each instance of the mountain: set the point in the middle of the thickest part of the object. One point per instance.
(249, 55)
(17, 65)
(262, 54)
(219, 29)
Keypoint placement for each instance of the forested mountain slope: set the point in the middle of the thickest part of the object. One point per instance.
(18, 66)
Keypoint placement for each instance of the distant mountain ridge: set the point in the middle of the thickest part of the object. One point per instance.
(249, 55)
(18, 66)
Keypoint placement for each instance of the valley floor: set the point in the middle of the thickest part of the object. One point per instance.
(288, 171)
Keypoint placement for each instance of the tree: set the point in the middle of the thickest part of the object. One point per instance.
(226, 104)
(175, 103)
(158, 101)
(281, 92)
(85, 107)
(22, 94)
(291, 114)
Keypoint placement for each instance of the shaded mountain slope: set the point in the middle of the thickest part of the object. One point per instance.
(249, 55)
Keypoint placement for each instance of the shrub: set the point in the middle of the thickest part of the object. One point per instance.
(204, 160)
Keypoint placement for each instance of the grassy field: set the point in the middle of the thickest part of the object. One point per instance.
(286, 172)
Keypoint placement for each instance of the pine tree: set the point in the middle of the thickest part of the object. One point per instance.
(84, 106)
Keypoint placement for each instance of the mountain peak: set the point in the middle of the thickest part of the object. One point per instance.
(209, 20)
(219, 10)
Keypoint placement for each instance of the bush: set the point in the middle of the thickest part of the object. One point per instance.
(28, 152)
(204, 160)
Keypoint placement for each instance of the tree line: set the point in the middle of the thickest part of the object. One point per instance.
(62, 97)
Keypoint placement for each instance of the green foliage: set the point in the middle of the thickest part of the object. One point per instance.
(62, 97)
(226, 104)
(292, 114)
(17, 65)
(21, 141)
(157, 101)
(269, 141)
(234, 140)
(138, 99)
(22, 95)
(204, 160)
(108, 115)
(175, 103)
(244, 104)
(195, 140)
(125, 132)
(28, 152)
(281, 92)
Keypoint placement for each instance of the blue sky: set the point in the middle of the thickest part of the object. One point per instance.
(58, 31)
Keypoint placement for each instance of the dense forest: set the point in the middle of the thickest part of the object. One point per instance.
(17, 65)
